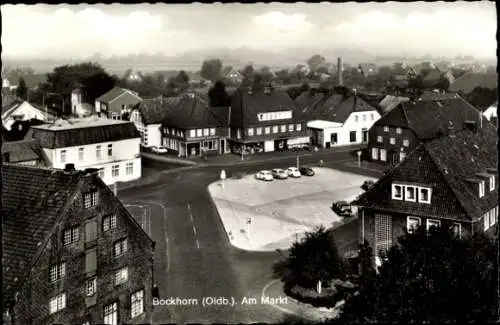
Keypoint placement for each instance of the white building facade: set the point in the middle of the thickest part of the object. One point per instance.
(150, 133)
(112, 147)
(491, 112)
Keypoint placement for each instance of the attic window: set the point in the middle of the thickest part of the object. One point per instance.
(397, 192)
(424, 195)
(410, 194)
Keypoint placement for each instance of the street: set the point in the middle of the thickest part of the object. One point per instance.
(194, 259)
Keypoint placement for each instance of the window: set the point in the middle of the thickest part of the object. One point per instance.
(283, 128)
(290, 128)
(199, 132)
(433, 223)
(57, 271)
(410, 193)
(275, 129)
(352, 136)
(258, 131)
(386, 129)
(298, 127)
(57, 303)
(486, 222)
(267, 130)
(91, 261)
(121, 276)
(206, 132)
(71, 236)
(397, 192)
(90, 199)
(481, 188)
(111, 314)
(356, 118)
(492, 183)
(91, 287)
(375, 153)
(399, 131)
(98, 152)
(129, 168)
(364, 117)
(456, 229)
(137, 303)
(250, 132)
(90, 231)
(383, 155)
(392, 140)
(120, 247)
(109, 222)
(192, 133)
(333, 138)
(424, 195)
(63, 156)
(380, 139)
(372, 116)
(110, 150)
(167, 131)
(212, 131)
(406, 143)
(412, 223)
(80, 154)
(115, 170)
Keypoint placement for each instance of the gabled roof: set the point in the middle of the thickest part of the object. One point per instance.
(115, 93)
(308, 99)
(469, 81)
(154, 110)
(192, 110)
(12, 105)
(446, 165)
(389, 102)
(430, 119)
(9, 103)
(24, 150)
(63, 134)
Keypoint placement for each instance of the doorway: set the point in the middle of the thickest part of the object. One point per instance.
(365, 135)
(222, 146)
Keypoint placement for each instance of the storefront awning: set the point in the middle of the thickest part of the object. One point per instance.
(320, 124)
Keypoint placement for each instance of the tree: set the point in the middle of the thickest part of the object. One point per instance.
(266, 74)
(315, 61)
(430, 277)
(218, 96)
(313, 260)
(182, 80)
(211, 69)
(22, 89)
(482, 97)
(248, 71)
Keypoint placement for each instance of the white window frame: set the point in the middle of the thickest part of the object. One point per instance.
(402, 155)
(492, 183)
(492, 217)
(394, 197)
(375, 153)
(120, 247)
(121, 276)
(409, 229)
(91, 287)
(98, 152)
(71, 236)
(110, 150)
(298, 127)
(380, 139)
(57, 303)
(199, 133)
(275, 129)
(384, 155)
(192, 133)
(206, 132)
(459, 228)
(282, 128)
(429, 221)
(258, 131)
(429, 193)
(63, 156)
(267, 130)
(90, 199)
(57, 271)
(110, 314)
(81, 152)
(399, 130)
(137, 303)
(115, 171)
(250, 132)
(109, 222)
(392, 140)
(407, 198)
(486, 222)
(406, 143)
(291, 128)
(212, 131)
(386, 129)
(481, 188)
(129, 168)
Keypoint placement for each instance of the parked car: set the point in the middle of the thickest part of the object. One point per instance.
(307, 171)
(342, 208)
(293, 172)
(279, 173)
(264, 175)
(367, 184)
(159, 150)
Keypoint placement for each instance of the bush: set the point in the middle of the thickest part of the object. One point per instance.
(336, 291)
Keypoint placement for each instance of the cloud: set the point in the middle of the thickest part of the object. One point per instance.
(446, 31)
(286, 23)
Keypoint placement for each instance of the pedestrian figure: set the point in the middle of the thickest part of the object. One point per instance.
(156, 292)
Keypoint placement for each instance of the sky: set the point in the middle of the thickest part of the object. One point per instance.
(78, 31)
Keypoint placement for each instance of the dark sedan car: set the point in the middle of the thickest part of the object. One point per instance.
(342, 208)
(307, 171)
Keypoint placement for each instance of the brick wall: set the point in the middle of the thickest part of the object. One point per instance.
(139, 259)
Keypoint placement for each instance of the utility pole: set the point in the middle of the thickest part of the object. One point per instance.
(298, 158)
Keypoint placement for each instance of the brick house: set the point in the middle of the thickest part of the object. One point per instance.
(191, 126)
(72, 254)
(450, 181)
(116, 102)
(265, 120)
(404, 127)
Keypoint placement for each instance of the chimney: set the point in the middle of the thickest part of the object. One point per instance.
(471, 125)
(69, 167)
(340, 81)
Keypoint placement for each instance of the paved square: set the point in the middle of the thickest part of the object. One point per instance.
(282, 210)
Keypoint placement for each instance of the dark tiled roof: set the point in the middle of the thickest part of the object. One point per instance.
(195, 111)
(430, 119)
(469, 81)
(112, 94)
(78, 136)
(245, 106)
(32, 200)
(308, 99)
(154, 110)
(445, 164)
(21, 151)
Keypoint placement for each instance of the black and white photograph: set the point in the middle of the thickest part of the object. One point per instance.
(239, 163)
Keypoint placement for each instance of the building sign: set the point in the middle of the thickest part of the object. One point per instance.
(273, 116)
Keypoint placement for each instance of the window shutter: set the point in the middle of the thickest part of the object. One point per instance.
(90, 261)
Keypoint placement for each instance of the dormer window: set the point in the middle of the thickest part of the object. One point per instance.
(492, 183)
(481, 188)
(397, 192)
(424, 195)
(410, 194)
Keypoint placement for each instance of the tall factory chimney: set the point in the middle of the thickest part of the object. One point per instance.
(340, 81)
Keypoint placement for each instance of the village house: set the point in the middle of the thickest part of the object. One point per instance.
(111, 147)
(72, 253)
(402, 129)
(265, 120)
(467, 82)
(19, 110)
(450, 181)
(24, 152)
(116, 102)
(191, 127)
(233, 77)
(491, 112)
(337, 118)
